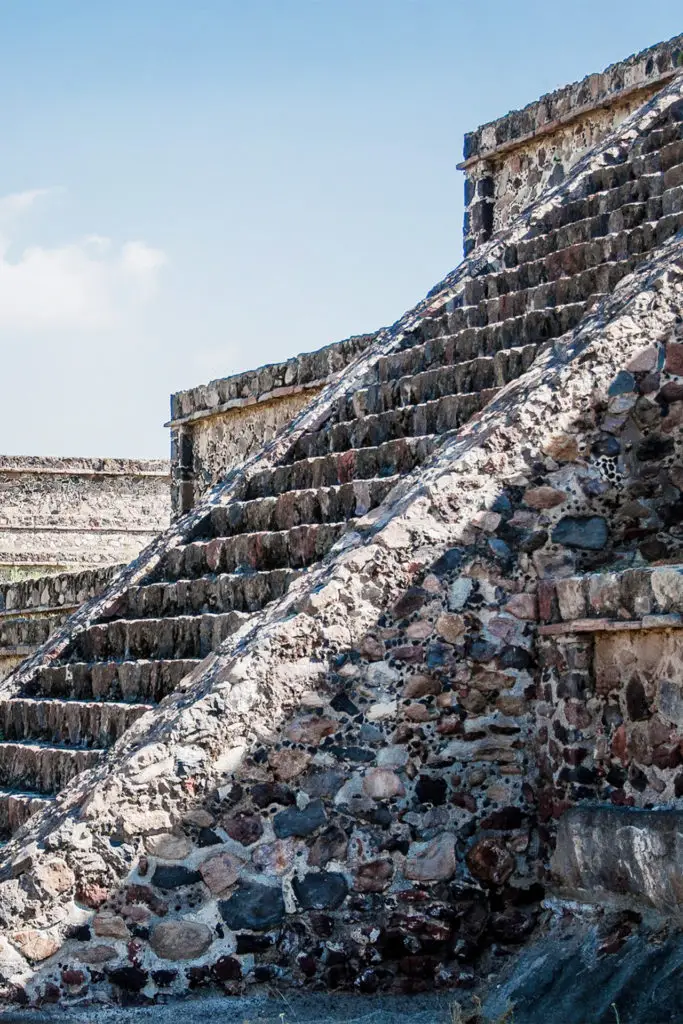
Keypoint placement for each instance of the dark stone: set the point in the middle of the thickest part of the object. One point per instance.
(431, 790)
(531, 541)
(587, 532)
(227, 969)
(164, 978)
(207, 837)
(244, 828)
(359, 754)
(512, 925)
(606, 444)
(623, 384)
(294, 822)
(266, 793)
(653, 549)
(654, 446)
(499, 549)
(322, 783)
(324, 890)
(253, 906)
(636, 702)
(410, 602)
(79, 932)
(450, 560)
(332, 844)
(490, 861)
(344, 705)
(174, 876)
(514, 657)
(483, 650)
(504, 819)
(130, 979)
(253, 943)
(672, 392)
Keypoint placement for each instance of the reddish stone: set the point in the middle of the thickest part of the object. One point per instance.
(674, 358)
(91, 895)
(244, 828)
(490, 861)
(72, 977)
(619, 744)
(374, 876)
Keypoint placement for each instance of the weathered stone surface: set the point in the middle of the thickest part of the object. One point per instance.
(167, 876)
(112, 926)
(490, 861)
(35, 945)
(55, 876)
(219, 872)
(244, 828)
(180, 940)
(288, 763)
(253, 906)
(382, 784)
(293, 822)
(168, 846)
(544, 497)
(589, 532)
(324, 890)
(432, 861)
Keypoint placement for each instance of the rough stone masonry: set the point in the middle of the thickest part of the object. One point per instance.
(334, 729)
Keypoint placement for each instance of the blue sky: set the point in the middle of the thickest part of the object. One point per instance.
(195, 187)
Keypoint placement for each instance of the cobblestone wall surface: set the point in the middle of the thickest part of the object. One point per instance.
(508, 162)
(58, 514)
(216, 426)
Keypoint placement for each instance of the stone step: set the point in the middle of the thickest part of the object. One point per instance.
(42, 768)
(182, 636)
(385, 460)
(295, 548)
(128, 681)
(241, 592)
(443, 379)
(71, 722)
(297, 508)
(16, 808)
(437, 417)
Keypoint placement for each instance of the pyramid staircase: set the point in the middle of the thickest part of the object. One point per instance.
(62, 712)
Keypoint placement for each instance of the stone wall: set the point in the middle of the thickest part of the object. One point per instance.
(71, 514)
(218, 425)
(509, 162)
(345, 794)
(31, 609)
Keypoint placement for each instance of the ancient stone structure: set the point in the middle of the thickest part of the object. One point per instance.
(59, 515)
(510, 161)
(338, 726)
(216, 426)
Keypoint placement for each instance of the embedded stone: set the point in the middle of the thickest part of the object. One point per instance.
(295, 822)
(311, 731)
(450, 627)
(323, 890)
(288, 763)
(171, 876)
(277, 857)
(410, 602)
(55, 876)
(244, 828)
(450, 560)
(589, 533)
(97, 954)
(180, 940)
(168, 846)
(110, 926)
(91, 895)
(266, 793)
(131, 979)
(382, 784)
(644, 361)
(654, 446)
(544, 497)
(227, 968)
(562, 448)
(253, 906)
(219, 872)
(432, 861)
(374, 876)
(198, 818)
(459, 593)
(674, 359)
(490, 861)
(35, 945)
(522, 606)
(332, 844)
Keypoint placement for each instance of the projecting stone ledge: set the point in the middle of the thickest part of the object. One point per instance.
(623, 855)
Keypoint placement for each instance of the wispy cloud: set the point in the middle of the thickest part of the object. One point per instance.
(87, 284)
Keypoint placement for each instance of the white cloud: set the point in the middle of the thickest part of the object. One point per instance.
(87, 284)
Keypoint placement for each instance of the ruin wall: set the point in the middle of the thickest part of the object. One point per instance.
(508, 162)
(60, 514)
(216, 426)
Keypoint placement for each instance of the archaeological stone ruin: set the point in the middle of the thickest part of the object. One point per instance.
(398, 693)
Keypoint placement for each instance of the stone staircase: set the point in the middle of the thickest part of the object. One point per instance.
(238, 557)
